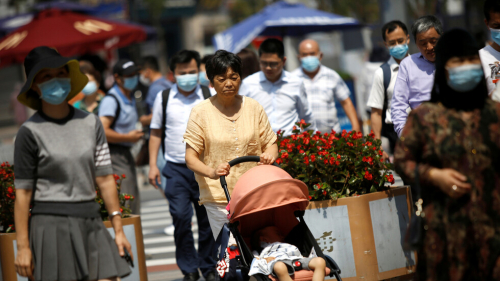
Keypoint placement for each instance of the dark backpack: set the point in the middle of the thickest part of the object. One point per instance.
(165, 94)
(387, 129)
(117, 112)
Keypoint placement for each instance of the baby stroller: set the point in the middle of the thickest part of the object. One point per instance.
(265, 196)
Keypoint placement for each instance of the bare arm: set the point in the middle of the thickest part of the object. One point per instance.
(113, 137)
(154, 147)
(194, 164)
(107, 187)
(350, 111)
(270, 155)
(146, 120)
(23, 263)
(376, 119)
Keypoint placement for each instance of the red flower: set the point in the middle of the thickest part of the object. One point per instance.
(306, 140)
(294, 128)
(302, 122)
(374, 148)
(382, 160)
(10, 190)
(337, 163)
(123, 176)
(284, 155)
(380, 153)
(368, 176)
(313, 158)
(279, 161)
(338, 156)
(310, 197)
(368, 143)
(294, 137)
(332, 161)
(326, 161)
(301, 151)
(306, 160)
(278, 132)
(324, 192)
(126, 197)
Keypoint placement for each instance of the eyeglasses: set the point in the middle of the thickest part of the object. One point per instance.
(272, 65)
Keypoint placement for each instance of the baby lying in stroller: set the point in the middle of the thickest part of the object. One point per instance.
(281, 259)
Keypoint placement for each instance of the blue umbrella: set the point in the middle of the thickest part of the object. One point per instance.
(280, 19)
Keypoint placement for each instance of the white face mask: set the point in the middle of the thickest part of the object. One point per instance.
(144, 81)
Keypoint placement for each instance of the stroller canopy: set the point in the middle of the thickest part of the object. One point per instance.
(267, 187)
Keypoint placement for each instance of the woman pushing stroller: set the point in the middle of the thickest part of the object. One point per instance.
(222, 128)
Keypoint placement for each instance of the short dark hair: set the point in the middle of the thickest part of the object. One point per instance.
(221, 62)
(206, 58)
(393, 25)
(150, 62)
(250, 62)
(491, 6)
(422, 24)
(272, 46)
(87, 67)
(184, 56)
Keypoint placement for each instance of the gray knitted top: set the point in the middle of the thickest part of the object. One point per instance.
(60, 158)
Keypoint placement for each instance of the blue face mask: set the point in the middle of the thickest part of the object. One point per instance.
(399, 51)
(90, 88)
(130, 83)
(56, 90)
(187, 82)
(203, 79)
(465, 78)
(310, 63)
(495, 35)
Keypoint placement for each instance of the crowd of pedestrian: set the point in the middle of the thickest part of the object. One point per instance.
(437, 107)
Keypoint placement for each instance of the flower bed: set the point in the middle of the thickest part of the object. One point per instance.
(334, 165)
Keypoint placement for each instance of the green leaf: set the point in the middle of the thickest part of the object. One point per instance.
(353, 180)
(373, 189)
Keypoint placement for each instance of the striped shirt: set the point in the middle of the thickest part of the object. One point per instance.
(322, 92)
(60, 158)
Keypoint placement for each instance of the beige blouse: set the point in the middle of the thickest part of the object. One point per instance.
(219, 139)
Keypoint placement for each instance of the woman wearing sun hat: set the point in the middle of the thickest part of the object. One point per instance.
(60, 154)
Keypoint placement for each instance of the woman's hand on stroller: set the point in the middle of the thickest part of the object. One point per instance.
(221, 170)
(266, 159)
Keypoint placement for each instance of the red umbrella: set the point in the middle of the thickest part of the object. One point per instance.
(70, 33)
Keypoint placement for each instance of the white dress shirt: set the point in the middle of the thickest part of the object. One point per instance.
(178, 109)
(322, 91)
(377, 93)
(285, 101)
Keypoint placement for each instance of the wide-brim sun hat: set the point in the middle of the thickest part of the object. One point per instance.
(46, 58)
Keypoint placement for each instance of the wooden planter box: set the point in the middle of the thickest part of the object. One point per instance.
(131, 226)
(365, 234)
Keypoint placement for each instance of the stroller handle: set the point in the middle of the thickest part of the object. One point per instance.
(233, 162)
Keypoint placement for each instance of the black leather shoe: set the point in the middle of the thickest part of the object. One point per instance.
(210, 276)
(191, 276)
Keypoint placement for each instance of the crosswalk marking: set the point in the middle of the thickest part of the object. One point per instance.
(145, 210)
(160, 262)
(165, 239)
(151, 203)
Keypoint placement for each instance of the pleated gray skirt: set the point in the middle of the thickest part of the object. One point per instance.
(73, 248)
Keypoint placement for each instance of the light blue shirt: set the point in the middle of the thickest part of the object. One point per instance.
(178, 109)
(413, 87)
(127, 119)
(155, 87)
(285, 101)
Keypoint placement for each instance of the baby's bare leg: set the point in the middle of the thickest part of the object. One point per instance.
(318, 265)
(281, 271)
